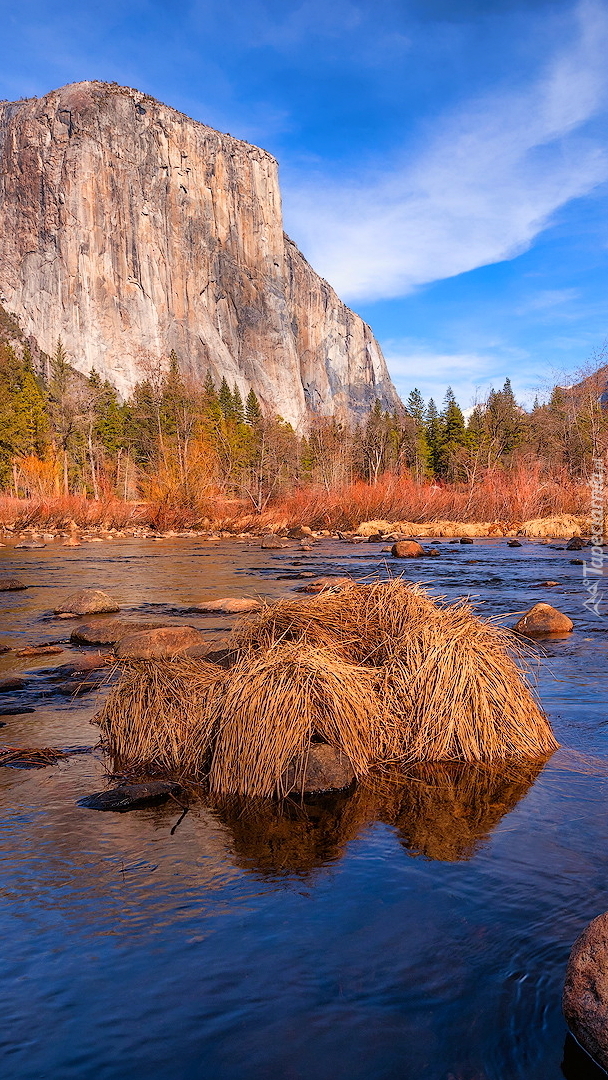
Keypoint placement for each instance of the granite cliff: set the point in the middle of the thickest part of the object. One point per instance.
(128, 229)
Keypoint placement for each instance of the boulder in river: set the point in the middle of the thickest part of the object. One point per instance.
(407, 549)
(326, 769)
(30, 545)
(320, 584)
(10, 685)
(514, 543)
(87, 602)
(131, 796)
(575, 544)
(229, 606)
(108, 631)
(300, 532)
(585, 999)
(11, 584)
(465, 540)
(543, 619)
(159, 644)
(272, 543)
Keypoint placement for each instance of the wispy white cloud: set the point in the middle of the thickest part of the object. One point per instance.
(486, 182)
(470, 374)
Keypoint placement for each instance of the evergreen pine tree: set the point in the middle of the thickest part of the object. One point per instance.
(237, 405)
(253, 413)
(226, 401)
(415, 405)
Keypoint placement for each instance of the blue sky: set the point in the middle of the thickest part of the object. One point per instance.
(444, 163)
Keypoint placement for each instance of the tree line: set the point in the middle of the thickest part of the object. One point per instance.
(63, 433)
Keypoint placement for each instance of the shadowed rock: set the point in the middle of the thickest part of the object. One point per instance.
(575, 544)
(543, 619)
(11, 584)
(8, 686)
(130, 796)
(325, 769)
(585, 998)
(87, 602)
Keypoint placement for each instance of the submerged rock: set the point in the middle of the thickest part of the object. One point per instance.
(108, 632)
(514, 543)
(407, 549)
(327, 769)
(159, 644)
(87, 602)
(229, 606)
(39, 650)
(585, 999)
(543, 619)
(11, 584)
(130, 796)
(30, 545)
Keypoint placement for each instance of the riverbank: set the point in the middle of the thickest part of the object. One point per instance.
(78, 520)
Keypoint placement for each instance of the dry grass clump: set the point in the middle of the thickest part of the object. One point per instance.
(457, 688)
(364, 623)
(275, 703)
(381, 672)
(149, 718)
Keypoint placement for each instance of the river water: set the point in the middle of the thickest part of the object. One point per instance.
(417, 934)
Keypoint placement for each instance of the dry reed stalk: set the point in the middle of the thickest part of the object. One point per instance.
(148, 718)
(275, 703)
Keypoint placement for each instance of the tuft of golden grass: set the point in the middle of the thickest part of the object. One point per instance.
(147, 721)
(382, 672)
(275, 703)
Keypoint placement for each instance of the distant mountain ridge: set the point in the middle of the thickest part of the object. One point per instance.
(128, 230)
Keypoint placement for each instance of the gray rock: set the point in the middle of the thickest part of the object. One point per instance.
(465, 540)
(513, 543)
(87, 602)
(575, 544)
(585, 998)
(131, 796)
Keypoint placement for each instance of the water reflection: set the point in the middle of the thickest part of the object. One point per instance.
(441, 811)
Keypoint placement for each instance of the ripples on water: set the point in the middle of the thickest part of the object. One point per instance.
(412, 931)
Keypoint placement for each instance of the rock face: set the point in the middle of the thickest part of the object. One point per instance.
(543, 619)
(128, 230)
(585, 1000)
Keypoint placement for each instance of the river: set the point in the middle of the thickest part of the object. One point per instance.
(410, 936)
